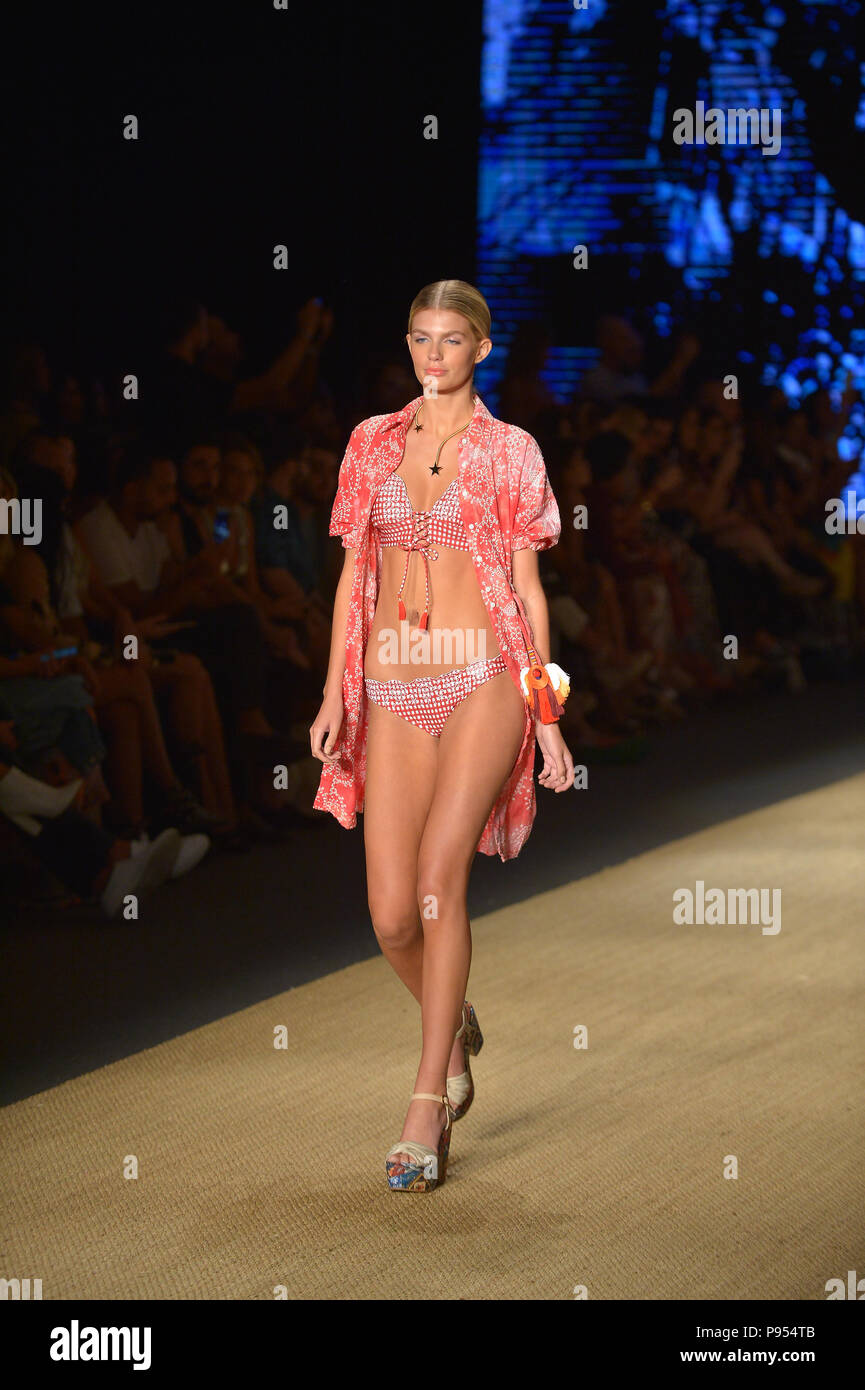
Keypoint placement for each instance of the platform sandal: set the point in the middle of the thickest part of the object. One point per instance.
(429, 1169)
(461, 1089)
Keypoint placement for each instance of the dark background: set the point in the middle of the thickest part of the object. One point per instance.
(256, 127)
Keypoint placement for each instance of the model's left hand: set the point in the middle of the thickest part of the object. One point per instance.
(557, 772)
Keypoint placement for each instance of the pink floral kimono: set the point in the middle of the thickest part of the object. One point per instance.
(506, 504)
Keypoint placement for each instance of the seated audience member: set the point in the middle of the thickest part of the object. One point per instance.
(698, 647)
(46, 695)
(586, 608)
(136, 561)
(125, 691)
(82, 855)
(708, 493)
(294, 557)
(241, 474)
(191, 527)
(640, 566)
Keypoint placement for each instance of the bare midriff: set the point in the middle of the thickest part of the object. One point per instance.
(459, 630)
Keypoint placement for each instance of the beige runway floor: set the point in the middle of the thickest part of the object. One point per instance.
(601, 1167)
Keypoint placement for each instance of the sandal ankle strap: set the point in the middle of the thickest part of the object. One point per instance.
(428, 1095)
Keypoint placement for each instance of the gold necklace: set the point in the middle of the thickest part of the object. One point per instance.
(435, 467)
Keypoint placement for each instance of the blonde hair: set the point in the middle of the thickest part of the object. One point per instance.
(461, 298)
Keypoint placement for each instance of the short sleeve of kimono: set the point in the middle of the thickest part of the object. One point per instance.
(345, 515)
(537, 524)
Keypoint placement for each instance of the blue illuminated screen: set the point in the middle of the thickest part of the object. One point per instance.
(765, 251)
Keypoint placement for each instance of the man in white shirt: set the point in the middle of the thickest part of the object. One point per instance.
(135, 561)
(120, 556)
(130, 551)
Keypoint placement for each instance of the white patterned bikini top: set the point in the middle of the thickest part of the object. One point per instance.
(397, 523)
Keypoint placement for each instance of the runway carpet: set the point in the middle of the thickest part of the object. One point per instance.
(601, 1167)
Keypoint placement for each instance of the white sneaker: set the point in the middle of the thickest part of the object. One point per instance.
(23, 797)
(192, 850)
(149, 864)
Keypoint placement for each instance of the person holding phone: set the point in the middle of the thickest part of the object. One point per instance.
(203, 523)
(45, 693)
(136, 542)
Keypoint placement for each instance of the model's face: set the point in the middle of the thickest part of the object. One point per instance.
(444, 351)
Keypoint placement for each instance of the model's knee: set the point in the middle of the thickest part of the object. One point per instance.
(441, 889)
(394, 922)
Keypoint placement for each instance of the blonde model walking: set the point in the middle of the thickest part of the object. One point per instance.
(442, 510)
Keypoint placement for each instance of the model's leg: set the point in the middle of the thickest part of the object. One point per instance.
(476, 754)
(401, 762)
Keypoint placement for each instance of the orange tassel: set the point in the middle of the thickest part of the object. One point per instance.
(423, 620)
(543, 701)
(401, 610)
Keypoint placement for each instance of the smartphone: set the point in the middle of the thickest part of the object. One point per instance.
(222, 524)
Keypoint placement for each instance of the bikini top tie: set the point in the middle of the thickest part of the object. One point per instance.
(397, 523)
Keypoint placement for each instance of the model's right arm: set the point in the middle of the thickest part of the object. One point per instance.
(328, 722)
(342, 598)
